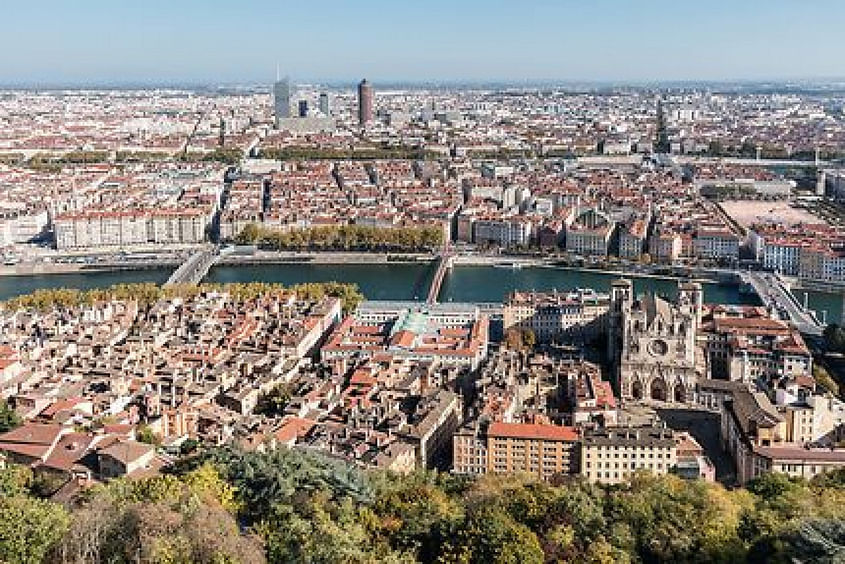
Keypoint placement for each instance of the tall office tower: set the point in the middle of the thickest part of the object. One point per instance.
(303, 108)
(324, 103)
(365, 102)
(281, 98)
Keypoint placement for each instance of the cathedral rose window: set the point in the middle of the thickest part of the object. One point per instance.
(658, 347)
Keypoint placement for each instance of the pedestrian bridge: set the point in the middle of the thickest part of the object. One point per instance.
(445, 262)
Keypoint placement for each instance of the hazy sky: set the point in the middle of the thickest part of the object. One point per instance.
(216, 41)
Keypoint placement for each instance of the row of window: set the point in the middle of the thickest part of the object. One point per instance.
(633, 465)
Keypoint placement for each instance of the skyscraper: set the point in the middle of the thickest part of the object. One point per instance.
(281, 98)
(303, 108)
(324, 103)
(365, 102)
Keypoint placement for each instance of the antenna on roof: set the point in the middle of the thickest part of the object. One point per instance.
(278, 74)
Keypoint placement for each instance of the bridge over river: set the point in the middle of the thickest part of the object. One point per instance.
(774, 292)
(444, 263)
(195, 268)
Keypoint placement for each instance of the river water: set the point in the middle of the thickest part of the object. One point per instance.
(408, 282)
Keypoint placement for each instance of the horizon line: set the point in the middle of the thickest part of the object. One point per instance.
(151, 83)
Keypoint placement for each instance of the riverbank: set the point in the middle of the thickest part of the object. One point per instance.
(52, 268)
(279, 257)
(703, 275)
(634, 274)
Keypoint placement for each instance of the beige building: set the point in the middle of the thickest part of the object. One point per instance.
(653, 343)
(125, 458)
(553, 316)
(750, 349)
(542, 450)
(796, 461)
(612, 455)
(817, 419)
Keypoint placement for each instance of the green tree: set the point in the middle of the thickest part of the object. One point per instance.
(9, 418)
(29, 528)
(145, 434)
(490, 535)
(834, 338)
(15, 479)
(274, 402)
(825, 380)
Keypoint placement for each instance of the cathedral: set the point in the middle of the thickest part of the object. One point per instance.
(652, 343)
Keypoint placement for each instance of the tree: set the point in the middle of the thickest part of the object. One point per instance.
(274, 402)
(834, 338)
(248, 235)
(816, 540)
(490, 535)
(9, 418)
(29, 528)
(519, 339)
(162, 519)
(15, 479)
(825, 380)
(145, 434)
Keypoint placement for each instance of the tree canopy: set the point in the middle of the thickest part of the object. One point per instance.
(344, 238)
(226, 505)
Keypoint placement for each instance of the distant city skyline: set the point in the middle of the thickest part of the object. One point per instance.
(217, 42)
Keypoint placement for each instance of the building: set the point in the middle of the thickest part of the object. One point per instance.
(469, 450)
(323, 104)
(611, 455)
(437, 418)
(821, 262)
(591, 398)
(303, 108)
(796, 461)
(590, 233)
(748, 346)
(539, 449)
(716, 244)
(652, 343)
(449, 334)
(666, 247)
(632, 238)
(749, 420)
(125, 458)
(365, 102)
(783, 256)
(578, 315)
(281, 99)
(762, 440)
(509, 231)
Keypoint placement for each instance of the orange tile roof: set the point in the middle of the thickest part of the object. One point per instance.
(532, 431)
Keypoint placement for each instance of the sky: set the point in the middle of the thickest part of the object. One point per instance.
(242, 41)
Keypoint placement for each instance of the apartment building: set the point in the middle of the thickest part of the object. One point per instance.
(613, 454)
(512, 231)
(533, 448)
(716, 244)
(762, 440)
(752, 347)
(554, 316)
(783, 256)
(632, 239)
(95, 229)
(592, 242)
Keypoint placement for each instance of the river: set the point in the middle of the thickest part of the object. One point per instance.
(407, 282)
